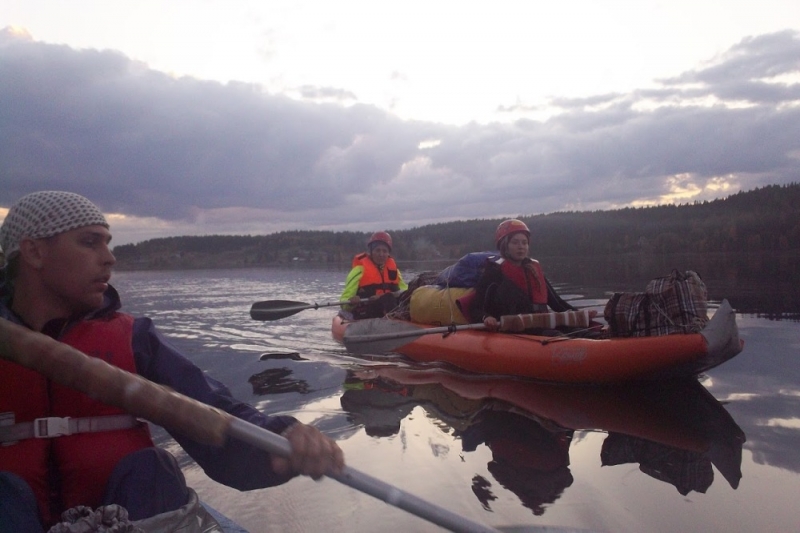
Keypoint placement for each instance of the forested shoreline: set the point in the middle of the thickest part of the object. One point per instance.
(766, 219)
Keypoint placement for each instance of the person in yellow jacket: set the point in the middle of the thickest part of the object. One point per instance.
(374, 281)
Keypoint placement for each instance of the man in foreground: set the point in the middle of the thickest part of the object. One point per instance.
(55, 281)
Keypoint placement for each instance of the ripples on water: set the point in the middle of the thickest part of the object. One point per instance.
(498, 451)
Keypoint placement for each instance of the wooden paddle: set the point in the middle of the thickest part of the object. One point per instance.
(277, 309)
(142, 398)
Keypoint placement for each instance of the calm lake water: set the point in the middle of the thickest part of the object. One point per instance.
(718, 454)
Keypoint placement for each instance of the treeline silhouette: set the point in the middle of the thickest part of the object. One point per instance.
(763, 219)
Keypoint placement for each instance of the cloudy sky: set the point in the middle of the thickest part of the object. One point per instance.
(237, 117)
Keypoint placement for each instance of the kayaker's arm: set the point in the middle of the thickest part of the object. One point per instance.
(236, 464)
(351, 285)
(479, 308)
(555, 302)
(401, 284)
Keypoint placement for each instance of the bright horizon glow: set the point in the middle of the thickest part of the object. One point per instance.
(445, 62)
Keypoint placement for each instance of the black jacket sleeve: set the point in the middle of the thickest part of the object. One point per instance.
(485, 290)
(236, 464)
(555, 302)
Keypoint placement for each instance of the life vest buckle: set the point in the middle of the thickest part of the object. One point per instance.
(53, 426)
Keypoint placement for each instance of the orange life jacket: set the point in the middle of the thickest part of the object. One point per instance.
(83, 462)
(376, 280)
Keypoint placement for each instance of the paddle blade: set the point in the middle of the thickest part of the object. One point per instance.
(378, 335)
(277, 309)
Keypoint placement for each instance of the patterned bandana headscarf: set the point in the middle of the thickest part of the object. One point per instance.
(45, 214)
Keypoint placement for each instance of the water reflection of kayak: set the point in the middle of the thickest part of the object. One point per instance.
(555, 359)
(675, 430)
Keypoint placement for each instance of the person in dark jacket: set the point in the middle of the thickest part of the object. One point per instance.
(56, 281)
(512, 283)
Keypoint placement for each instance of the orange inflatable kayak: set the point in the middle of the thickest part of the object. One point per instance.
(562, 359)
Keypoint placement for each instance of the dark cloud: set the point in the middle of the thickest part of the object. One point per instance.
(765, 56)
(148, 144)
(745, 72)
(143, 143)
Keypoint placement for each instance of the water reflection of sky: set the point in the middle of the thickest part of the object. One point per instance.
(205, 314)
(761, 388)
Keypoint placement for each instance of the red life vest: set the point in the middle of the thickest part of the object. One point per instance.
(83, 461)
(23, 393)
(374, 280)
(531, 283)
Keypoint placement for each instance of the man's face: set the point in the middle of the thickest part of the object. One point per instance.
(379, 254)
(76, 266)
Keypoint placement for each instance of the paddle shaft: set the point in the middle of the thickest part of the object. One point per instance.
(365, 483)
(418, 333)
(142, 398)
